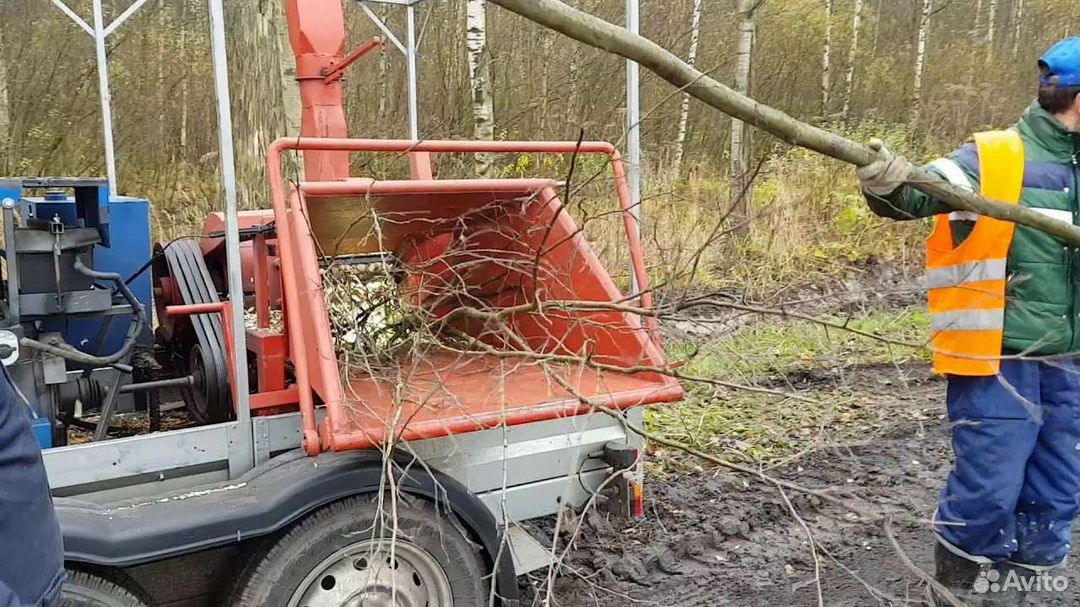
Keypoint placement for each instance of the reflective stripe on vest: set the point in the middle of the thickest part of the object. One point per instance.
(967, 282)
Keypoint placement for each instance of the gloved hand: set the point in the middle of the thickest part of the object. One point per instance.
(886, 174)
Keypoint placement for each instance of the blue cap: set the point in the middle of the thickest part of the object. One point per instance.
(1062, 63)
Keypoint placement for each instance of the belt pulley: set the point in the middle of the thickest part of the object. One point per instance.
(203, 352)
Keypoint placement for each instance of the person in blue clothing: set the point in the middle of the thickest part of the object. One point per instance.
(1006, 297)
(31, 550)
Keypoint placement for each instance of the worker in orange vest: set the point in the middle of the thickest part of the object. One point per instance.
(1005, 315)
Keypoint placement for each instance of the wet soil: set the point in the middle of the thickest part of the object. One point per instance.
(715, 538)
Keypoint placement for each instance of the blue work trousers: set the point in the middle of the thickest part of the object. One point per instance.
(31, 551)
(1014, 490)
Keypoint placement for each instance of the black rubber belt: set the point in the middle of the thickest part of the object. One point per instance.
(188, 269)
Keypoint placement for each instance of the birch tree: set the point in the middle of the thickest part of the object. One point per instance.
(480, 80)
(991, 22)
(920, 60)
(977, 20)
(161, 61)
(684, 111)
(740, 136)
(853, 55)
(185, 79)
(826, 59)
(5, 112)
(1018, 20)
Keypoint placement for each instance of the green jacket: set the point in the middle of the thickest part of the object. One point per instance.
(1042, 306)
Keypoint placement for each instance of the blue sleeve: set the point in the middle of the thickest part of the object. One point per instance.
(8, 598)
(31, 551)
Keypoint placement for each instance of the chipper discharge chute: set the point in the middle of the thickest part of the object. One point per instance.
(512, 316)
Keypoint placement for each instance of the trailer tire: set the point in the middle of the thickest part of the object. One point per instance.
(433, 559)
(85, 590)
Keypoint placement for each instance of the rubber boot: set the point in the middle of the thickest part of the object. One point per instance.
(970, 582)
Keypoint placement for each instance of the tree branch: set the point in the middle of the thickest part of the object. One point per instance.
(598, 33)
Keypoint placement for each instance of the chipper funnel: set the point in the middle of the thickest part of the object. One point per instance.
(520, 320)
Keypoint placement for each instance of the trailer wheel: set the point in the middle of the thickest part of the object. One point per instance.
(345, 555)
(85, 590)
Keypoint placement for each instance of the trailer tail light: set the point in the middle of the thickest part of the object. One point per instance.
(639, 500)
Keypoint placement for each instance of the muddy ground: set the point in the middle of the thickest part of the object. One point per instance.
(714, 538)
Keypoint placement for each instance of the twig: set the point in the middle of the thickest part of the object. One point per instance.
(942, 591)
(809, 538)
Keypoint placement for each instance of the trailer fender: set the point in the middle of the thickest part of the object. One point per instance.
(263, 501)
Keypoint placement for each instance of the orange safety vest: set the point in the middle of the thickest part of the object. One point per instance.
(966, 282)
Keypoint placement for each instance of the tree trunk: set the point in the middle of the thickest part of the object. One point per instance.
(601, 34)
(291, 105)
(161, 33)
(546, 42)
(384, 69)
(5, 113)
(1018, 19)
(684, 111)
(826, 60)
(920, 60)
(853, 55)
(991, 23)
(185, 79)
(975, 23)
(877, 30)
(740, 135)
(257, 95)
(572, 95)
(480, 80)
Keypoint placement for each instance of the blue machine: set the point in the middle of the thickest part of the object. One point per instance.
(126, 247)
(62, 247)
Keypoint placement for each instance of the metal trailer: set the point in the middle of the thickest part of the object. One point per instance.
(183, 517)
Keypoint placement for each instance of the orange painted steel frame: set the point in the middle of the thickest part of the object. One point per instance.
(310, 346)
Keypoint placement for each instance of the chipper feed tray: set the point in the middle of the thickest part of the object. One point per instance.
(527, 324)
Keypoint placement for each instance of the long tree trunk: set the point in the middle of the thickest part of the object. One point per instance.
(291, 105)
(547, 39)
(601, 34)
(185, 78)
(740, 135)
(991, 24)
(826, 60)
(877, 30)
(162, 94)
(977, 20)
(5, 112)
(257, 95)
(920, 60)
(480, 80)
(1018, 19)
(684, 111)
(853, 55)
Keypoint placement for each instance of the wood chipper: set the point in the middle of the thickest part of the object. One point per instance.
(395, 473)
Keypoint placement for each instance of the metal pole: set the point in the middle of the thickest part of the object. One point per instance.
(242, 455)
(106, 97)
(414, 122)
(633, 130)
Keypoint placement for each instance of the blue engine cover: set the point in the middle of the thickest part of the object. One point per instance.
(129, 249)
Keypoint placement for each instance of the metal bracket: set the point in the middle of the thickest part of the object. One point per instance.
(408, 49)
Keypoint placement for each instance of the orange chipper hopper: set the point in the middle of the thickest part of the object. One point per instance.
(489, 260)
